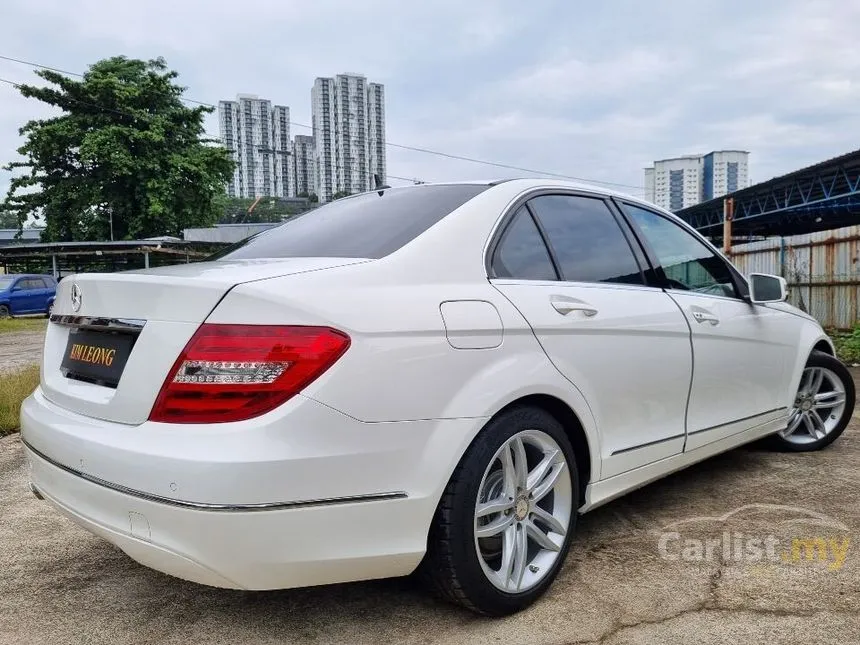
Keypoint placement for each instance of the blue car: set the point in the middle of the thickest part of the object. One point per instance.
(26, 294)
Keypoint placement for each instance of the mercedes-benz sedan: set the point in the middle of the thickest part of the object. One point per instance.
(437, 378)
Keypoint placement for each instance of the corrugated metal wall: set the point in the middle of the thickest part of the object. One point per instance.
(822, 270)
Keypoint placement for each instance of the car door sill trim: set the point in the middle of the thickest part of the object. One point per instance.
(749, 418)
(205, 506)
(645, 445)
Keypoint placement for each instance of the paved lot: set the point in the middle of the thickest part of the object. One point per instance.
(58, 584)
(20, 348)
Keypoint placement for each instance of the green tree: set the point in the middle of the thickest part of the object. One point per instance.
(339, 194)
(125, 152)
(8, 220)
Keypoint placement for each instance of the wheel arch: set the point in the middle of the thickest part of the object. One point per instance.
(812, 338)
(573, 428)
(825, 346)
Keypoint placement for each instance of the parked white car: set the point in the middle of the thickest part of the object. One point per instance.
(436, 378)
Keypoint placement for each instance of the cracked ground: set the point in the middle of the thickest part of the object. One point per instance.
(59, 584)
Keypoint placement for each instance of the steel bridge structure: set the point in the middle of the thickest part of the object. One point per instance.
(820, 197)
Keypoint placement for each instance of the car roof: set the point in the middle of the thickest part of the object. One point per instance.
(26, 275)
(534, 182)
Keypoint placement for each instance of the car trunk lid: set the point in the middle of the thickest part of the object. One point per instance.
(114, 337)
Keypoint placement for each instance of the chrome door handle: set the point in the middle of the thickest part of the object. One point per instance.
(565, 306)
(702, 317)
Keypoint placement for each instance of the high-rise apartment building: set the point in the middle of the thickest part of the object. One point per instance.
(376, 130)
(349, 134)
(304, 177)
(723, 172)
(258, 137)
(686, 181)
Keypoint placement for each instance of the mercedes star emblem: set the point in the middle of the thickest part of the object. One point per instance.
(77, 297)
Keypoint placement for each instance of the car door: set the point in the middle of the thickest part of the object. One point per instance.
(41, 293)
(20, 297)
(35, 290)
(743, 354)
(566, 262)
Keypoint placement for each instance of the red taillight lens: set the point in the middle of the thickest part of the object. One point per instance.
(236, 372)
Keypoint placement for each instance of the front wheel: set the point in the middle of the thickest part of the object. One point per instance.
(505, 521)
(822, 407)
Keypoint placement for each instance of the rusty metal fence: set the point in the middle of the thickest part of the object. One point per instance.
(821, 269)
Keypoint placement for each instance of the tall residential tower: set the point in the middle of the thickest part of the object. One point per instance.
(686, 181)
(258, 137)
(349, 134)
(304, 177)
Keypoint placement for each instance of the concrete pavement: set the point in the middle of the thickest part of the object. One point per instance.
(58, 584)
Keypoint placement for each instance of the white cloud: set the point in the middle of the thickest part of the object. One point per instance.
(588, 90)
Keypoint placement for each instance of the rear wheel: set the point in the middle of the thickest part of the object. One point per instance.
(4, 312)
(505, 521)
(822, 407)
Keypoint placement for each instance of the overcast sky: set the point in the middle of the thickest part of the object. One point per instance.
(591, 89)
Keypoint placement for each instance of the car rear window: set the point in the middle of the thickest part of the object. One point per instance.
(5, 283)
(369, 225)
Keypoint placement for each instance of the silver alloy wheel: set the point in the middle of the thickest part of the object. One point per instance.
(818, 406)
(523, 511)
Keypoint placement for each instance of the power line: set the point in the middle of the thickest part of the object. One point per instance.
(401, 146)
(73, 100)
(53, 69)
(147, 117)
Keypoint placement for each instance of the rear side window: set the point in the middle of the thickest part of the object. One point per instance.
(587, 241)
(369, 225)
(521, 252)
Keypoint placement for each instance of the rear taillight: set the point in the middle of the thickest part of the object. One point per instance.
(236, 372)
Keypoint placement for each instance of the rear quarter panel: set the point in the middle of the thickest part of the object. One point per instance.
(400, 365)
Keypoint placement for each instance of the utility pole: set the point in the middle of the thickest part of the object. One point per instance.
(728, 215)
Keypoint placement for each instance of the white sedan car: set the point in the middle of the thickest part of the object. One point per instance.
(436, 378)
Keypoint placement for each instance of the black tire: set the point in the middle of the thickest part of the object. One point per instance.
(4, 312)
(820, 359)
(451, 566)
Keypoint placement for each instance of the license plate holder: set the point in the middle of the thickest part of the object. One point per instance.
(96, 356)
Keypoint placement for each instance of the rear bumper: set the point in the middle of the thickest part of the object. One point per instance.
(272, 549)
(304, 507)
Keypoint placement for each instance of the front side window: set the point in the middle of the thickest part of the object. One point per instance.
(587, 241)
(689, 264)
(521, 253)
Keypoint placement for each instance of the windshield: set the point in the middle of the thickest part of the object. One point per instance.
(5, 282)
(369, 225)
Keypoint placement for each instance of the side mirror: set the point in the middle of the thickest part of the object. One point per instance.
(767, 288)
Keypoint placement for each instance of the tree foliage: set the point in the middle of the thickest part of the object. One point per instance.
(340, 193)
(8, 220)
(124, 148)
